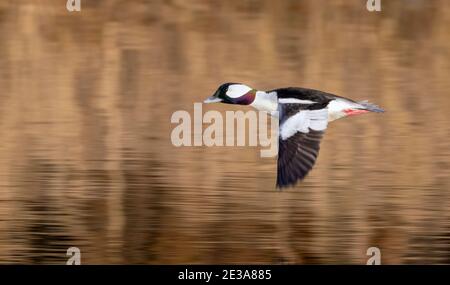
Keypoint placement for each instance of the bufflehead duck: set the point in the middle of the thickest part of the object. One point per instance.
(303, 116)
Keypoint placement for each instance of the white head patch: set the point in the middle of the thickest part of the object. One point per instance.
(237, 90)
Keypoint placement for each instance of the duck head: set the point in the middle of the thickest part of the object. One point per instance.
(233, 93)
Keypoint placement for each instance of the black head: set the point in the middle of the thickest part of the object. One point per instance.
(233, 93)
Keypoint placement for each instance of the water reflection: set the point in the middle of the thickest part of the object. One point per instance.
(85, 152)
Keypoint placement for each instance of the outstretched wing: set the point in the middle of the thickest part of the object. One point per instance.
(300, 132)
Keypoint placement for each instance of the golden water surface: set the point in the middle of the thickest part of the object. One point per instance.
(86, 158)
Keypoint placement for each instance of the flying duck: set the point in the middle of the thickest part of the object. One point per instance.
(303, 116)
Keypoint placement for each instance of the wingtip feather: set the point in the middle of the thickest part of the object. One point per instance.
(371, 107)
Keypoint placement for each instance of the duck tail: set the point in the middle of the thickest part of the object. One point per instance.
(370, 107)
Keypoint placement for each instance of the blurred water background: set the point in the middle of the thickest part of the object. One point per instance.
(86, 158)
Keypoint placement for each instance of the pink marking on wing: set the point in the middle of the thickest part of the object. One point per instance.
(352, 112)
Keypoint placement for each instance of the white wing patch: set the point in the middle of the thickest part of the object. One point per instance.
(303, 121)
(237, 90)
(295, 101)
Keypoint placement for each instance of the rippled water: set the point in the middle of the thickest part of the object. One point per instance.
(86, 158)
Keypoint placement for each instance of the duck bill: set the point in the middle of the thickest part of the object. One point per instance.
(212, 99)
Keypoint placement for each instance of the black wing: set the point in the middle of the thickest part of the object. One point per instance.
(301, 130)
(296, 156)
(305, 94)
